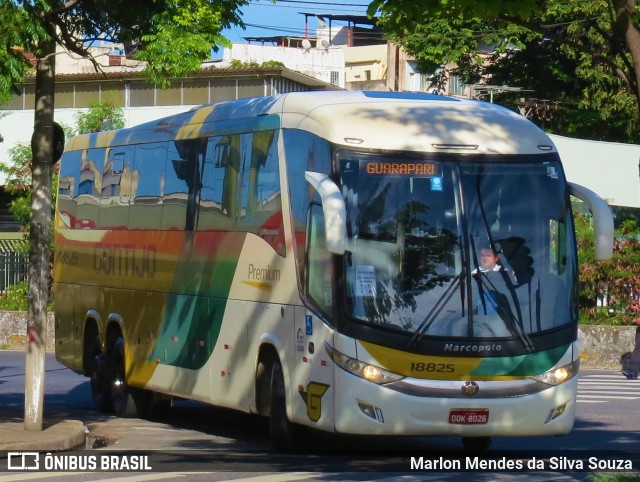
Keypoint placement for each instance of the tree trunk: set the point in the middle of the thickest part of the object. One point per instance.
(625, 10)
(40, 234)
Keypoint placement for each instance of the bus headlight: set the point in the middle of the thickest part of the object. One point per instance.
(371, 373)
(558, 375)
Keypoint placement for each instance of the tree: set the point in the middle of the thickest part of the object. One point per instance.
(174, 37)
(617, 279)
(100, 116)
(593, 48)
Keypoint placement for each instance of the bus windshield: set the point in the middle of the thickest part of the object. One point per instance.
(475, 249)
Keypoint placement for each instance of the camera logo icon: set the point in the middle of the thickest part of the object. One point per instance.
(23, 461)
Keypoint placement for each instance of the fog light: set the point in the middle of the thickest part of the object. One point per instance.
(371, 411)
(367, 410)
(556, 412)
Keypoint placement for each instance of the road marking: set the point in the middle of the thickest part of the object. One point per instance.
(37, 475)
(604, 387)
(154, 476)
(289, 477)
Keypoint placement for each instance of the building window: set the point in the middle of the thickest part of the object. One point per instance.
(250, 88)
(170, 96)
(335, 77)
(85, 94)
(195, 92)
(456, 87)
(141, 94)
(65, 95)
(222, 90)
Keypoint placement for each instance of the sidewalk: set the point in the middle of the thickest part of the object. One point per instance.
(65, 435)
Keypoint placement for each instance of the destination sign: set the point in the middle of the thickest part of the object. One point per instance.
(401, 168)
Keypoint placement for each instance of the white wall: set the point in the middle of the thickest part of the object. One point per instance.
(314, 62)
(609, 169)
(360, 59)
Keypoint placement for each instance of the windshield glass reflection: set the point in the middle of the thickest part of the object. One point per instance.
(457, 250)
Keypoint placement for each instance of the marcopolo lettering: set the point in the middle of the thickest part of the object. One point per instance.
(457, 347)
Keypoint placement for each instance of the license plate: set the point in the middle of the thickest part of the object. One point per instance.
(469, 416)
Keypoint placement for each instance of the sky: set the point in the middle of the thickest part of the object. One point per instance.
(267, 19)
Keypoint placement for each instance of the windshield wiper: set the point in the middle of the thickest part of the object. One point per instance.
(513, 322)
(437, 308)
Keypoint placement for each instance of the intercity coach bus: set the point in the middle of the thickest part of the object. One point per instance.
(315, 258)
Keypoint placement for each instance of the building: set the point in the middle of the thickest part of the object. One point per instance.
(142, 101)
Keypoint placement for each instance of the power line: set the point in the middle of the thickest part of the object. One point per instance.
(325, 3)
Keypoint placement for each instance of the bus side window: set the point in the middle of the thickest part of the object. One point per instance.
(319, 279)
(68, 187)
(116, 188)
(261, 206)
(90, 188)
(211, 212)
(145, 211)
(176, 190)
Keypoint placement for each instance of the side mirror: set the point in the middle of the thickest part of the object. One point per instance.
(602, 219)
(58, 142)
(335, 211)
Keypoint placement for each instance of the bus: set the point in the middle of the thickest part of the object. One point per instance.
(315, 258)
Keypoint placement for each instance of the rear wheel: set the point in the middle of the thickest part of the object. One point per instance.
(100, 388)
(284, 434)
(127, 401)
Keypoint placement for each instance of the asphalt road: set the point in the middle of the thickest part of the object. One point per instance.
(197, 437)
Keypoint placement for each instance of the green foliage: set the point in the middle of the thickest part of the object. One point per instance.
(574, 53)
(100, 116)
(617, 278)
(272, 63)
(15, 297)
(238, 64)
(182, 34)
(16, 27)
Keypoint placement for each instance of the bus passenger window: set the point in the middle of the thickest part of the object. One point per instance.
(89, 189)
(176, 192)
(68, 187)
(261, 207)
(145, 211)
(116, 188)
(211, 211)
(319, 277)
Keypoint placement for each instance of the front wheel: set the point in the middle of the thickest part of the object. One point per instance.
(284, 434)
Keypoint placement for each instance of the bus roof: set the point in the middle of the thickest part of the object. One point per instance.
(376, 120)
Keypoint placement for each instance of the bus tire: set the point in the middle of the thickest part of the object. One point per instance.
(283, 432)
(476, 443)
(99, 376)
(127, 402)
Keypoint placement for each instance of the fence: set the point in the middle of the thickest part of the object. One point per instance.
(13, 269)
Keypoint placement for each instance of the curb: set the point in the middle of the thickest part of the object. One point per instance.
(65, 435)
